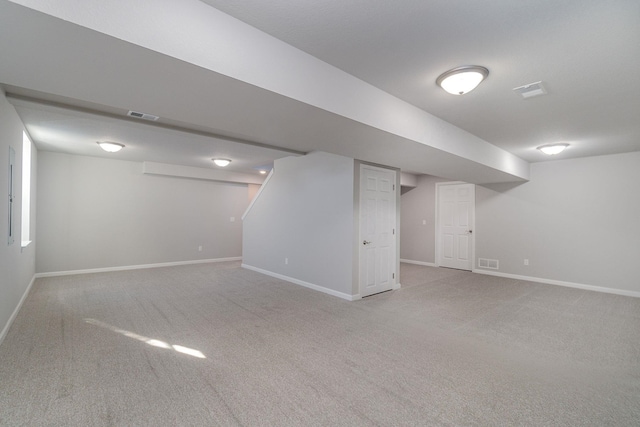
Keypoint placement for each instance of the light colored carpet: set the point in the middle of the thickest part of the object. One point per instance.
(214, 344)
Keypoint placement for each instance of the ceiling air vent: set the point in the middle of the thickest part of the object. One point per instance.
(531, 90)
(143, 116)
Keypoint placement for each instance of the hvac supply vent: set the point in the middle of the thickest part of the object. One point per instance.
(531, 90)
(488, 263)
(143, 116)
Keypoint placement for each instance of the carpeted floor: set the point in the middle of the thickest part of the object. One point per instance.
(217, 345)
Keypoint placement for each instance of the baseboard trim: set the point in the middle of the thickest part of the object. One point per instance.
(409, 261)
(303, 283)
(135, 267)
(5, 330)
(561, 283)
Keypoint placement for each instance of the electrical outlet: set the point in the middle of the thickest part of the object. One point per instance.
(526, 262)
(286, 261)
(232, 219)
(200, 248)
(424, 222)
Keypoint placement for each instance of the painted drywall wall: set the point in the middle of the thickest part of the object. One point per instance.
(253, 190)
(576, 221)
(301, 226)
(17, 265)
(100, 213)
(418, 221)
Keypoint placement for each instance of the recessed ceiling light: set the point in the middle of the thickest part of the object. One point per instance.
(221, 162)
(110, 147)
(551, 149)
(263, 172)
(463, 79)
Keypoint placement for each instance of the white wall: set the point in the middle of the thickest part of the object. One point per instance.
(305, 213)
(100, 213)
(576, 221)
(17, 266)
(418, 240)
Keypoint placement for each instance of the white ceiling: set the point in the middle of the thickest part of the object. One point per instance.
(586, 53)
(77, 131)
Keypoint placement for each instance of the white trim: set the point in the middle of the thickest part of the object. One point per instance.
(561, 283)
(426, 264)
(303, 283)
(134, 267)
(5, 330)
(264, 184)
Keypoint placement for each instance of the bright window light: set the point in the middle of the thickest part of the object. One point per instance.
(158, 343)
(26, 190)
(150, 341)
(189, 351)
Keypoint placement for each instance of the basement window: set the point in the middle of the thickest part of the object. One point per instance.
(26, 190)
(12, 160)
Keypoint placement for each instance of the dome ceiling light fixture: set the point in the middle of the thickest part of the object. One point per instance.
(461, 80)
(551, 149)
(110, 147)
(221, 162)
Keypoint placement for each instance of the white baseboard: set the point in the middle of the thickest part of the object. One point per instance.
(135, 267)
(561, 283)
(5, 330)
(408, 261)
(303, 283)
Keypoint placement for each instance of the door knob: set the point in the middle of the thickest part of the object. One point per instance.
(364, 242)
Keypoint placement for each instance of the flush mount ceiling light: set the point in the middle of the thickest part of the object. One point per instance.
(263, 171)
(110, 147)
(463, 79)
(221, 162)
(551, 149)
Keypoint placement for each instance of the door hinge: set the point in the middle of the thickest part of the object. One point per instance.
(393, 231)
(393, 275)
(394, 187)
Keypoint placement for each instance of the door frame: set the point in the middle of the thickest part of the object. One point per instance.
(359, 165)
(473, 222)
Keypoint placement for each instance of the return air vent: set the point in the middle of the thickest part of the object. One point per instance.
(143, 116)
(488, 263)
(531, 90)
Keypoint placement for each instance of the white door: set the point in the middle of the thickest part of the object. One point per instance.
(456, 208)
(377, 230)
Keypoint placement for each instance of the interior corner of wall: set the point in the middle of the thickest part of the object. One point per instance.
(257, 196)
